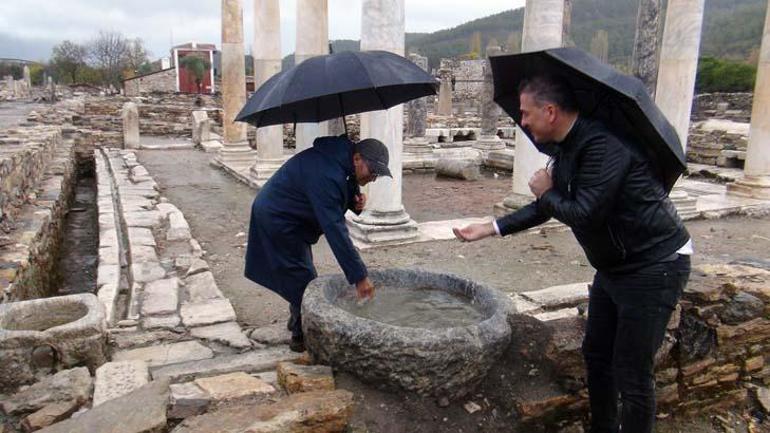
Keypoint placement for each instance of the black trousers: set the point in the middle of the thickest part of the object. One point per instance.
(295, 320)
(627, 318)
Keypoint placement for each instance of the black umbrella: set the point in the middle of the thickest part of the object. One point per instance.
(334, 85)
(621, 102)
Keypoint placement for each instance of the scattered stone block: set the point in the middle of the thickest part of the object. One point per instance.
(187, 399)
(207, 312)
(566, 295)
(141, 411)
(161, 297)
(49, 414)
(309, 412)
(233, 386)
(272, 335)
(304, 378)
(178, 229)
(115, 379)
(228, 333)
(165, 354)
(465, 169)
(147, 218)
(249, 362)
(141, 253)
(763, 397)
(741, 308)
(65, 386)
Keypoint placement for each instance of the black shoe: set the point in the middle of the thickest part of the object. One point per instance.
(297, 344)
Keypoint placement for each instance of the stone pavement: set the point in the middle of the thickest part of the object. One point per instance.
(177, 351)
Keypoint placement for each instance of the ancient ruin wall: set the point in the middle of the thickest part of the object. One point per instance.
(37, 181)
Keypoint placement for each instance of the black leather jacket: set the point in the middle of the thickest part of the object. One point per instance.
(607, 193)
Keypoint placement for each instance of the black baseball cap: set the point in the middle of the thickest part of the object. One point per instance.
(376, 155)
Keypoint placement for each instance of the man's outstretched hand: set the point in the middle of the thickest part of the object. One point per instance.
(365, 289)
(474, 232)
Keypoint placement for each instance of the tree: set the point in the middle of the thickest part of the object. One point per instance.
(67, 59)
(197, 66)
(108, 52)
(136, 55)
(600, 45)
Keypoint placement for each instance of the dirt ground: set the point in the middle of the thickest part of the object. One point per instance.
(217, 208)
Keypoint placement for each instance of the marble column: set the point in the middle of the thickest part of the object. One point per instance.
(490, 111)
(312, 40)
(644, 61)
(543, 29)
(267, 62)
(445, 93)
(384, 219)
(235, 156)
(756, 173)
(130, 116)
(10, 85)
(676, 77)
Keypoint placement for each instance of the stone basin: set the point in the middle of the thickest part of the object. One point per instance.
(43, 335)
(448, 362)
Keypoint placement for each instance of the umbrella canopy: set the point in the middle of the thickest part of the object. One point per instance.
(621, 102)
(335, 85)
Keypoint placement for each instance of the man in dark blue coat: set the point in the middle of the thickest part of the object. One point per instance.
(308, 196)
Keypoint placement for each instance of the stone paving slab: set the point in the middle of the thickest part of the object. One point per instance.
(141, 411)
(166, 354)
(163, 322)
(228, 333)
(249, 362)
(141, 236)
(207, 312)
(232, 386)
(147, 271)
(115, 379)
(201, 287)
(161, 297)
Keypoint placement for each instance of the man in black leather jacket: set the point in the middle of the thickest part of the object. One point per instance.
(607, 192)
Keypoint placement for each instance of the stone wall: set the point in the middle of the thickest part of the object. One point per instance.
(732, 106)
(715, 350)
(161, 82)
(37, 170)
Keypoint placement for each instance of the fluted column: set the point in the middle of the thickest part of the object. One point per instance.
(676, 77)
(384, 219)
(756, 174)
(312, 40)
(235, 155)
(543, 29)
(267, 62)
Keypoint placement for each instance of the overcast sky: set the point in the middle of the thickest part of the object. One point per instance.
(28, 28)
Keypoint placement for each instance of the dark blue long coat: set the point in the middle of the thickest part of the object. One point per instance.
(306, 197)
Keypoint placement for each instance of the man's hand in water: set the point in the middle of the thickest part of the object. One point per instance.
(365, 289)
(474, 232)
(360, 202)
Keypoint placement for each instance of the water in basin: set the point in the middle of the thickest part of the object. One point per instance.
(414, 308)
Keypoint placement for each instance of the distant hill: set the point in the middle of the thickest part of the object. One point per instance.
(732, 29)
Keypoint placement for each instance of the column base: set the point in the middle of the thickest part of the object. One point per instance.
(684, 203)
(237, 157)
(382, 227)
(489, 142)
(263, 169)
(757, 187)
(418, 154)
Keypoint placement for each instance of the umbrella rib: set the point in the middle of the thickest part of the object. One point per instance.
(371, 82)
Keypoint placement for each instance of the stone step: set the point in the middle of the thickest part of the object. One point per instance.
(249, 362)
